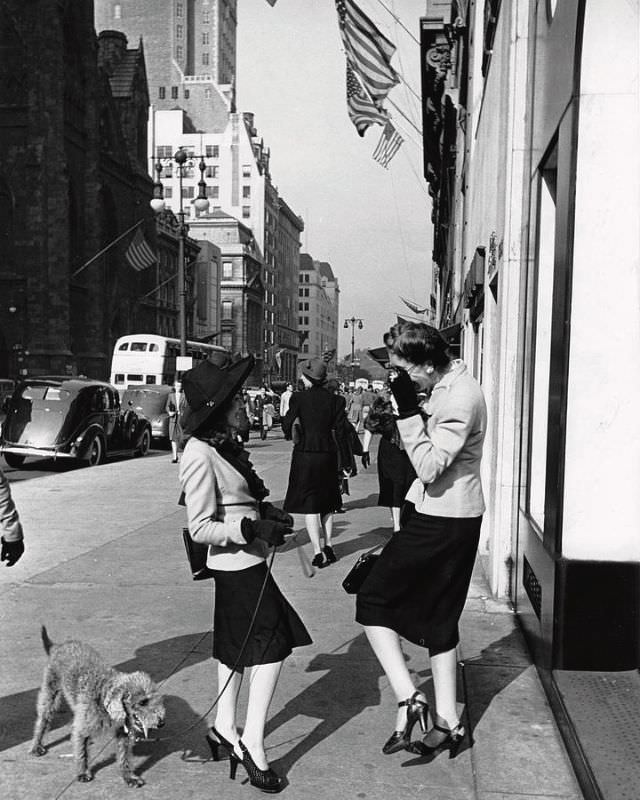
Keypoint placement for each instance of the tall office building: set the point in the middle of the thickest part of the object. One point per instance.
(190, 52)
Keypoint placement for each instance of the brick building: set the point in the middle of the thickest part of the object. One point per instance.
(73, 122)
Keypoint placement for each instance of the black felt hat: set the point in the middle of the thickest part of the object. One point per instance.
(207, 386)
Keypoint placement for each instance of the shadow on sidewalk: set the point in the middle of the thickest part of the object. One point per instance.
(350, 685)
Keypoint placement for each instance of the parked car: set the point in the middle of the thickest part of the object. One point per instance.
(76, 418)
(150, 402)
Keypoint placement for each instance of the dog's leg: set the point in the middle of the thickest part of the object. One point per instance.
(48, 700)
(80, 731)
(124, 744)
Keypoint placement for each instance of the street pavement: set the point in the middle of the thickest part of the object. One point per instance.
(105, 564)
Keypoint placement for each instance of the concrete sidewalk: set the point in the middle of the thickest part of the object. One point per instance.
(105, 564)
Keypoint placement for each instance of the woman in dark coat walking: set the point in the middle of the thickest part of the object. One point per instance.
(313, 416)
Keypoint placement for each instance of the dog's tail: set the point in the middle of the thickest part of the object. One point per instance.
(46, 641)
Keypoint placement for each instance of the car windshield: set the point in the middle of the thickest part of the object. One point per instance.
(149, 401)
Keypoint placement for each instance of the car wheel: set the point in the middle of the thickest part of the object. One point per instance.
(145, 443)
(95, 452)
(14, 460)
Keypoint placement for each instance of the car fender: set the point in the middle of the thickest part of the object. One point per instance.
(83, 440)
(142, 425)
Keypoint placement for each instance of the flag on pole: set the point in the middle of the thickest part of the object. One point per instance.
(368, 50)
(414, 306)
(362, 111)
(388, 146)
(139, 254)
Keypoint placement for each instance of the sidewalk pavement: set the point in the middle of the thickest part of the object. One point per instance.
(105, 564)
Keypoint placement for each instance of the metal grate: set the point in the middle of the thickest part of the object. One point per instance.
(532, 587)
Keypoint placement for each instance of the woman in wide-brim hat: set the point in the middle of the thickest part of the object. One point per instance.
(254, 626)
(314, 488)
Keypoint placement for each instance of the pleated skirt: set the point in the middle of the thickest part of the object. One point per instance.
(276, 630)
(419, 584)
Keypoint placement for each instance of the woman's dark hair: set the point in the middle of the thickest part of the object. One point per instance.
(418, 343)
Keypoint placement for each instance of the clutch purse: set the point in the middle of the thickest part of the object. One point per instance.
(360, 571)
(197, 557)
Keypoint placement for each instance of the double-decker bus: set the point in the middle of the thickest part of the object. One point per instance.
(144, 359)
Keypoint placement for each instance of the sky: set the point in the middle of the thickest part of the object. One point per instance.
(371, 224)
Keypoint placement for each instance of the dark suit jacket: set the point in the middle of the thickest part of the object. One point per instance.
(320, 413)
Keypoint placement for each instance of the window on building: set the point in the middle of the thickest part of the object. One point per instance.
(306, 306)
(205, 59)
(205, 37)
(174, 91)
(227, 340)
(227, 309)
(167, 171)
(164, 151)
(179, 10)
(246, 192)
(186, 94)
(212, 172)
(168, 192)
(306, 320)
(205, 17)
(246, 212)
(306, 293)
(179, 31)
(207, 93)
(212, 151)
(179, 54)
(188, 192)
(213, 192)
(246, 170)
(305, 347)
(227, 269)
(117, 11)
(162, 92)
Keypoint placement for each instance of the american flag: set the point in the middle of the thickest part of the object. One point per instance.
(139, 254)
(368, 50)
(361, 110)
(388, 146)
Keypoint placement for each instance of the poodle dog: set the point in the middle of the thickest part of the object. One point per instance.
(100, 697)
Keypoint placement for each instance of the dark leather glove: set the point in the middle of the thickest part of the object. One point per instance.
(269, 511)
(404, 392)
(266, 529)
(366, 459)
(11, 551)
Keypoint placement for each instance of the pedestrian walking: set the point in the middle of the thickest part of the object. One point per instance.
(355, 409)
(395, 471)
(174, 408)
(285, 399)
(12, 539)
(313, 488)
(254, 627)
(418, 586)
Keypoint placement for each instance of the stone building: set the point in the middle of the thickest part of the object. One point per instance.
(318, 307)
(73, 179)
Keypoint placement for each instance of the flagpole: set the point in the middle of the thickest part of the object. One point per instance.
(104, 249)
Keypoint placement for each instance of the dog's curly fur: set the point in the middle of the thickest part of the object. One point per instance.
(100, 697)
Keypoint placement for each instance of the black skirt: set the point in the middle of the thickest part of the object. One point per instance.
(314, 486)
(395, 474)
(419, 584)
(276, 630)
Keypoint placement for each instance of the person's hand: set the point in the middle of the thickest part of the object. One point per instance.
(366, 459)
(11, 551)
(269, 511)
(404, 393)
(266, 529)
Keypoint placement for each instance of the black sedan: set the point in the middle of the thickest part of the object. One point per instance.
(74, 418)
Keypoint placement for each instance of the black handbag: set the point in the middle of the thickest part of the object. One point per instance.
(197, 557)
(360, 570)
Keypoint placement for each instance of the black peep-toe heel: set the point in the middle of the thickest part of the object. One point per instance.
(416, 712)
(264, 779)
(219, 746)
(451, 740)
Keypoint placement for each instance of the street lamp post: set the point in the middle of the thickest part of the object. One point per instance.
(202, 204)
(353, 321)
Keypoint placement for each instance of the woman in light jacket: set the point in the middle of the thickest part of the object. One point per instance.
(418, 586)
(226, 510)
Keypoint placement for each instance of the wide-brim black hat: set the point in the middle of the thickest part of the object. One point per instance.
(380, 355)
(207, 386)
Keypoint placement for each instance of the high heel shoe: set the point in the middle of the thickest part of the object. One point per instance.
(329, 554)
(219, 746)
(445, 738)
(416, 712)
(264, 779)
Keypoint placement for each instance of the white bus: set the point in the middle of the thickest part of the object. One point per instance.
(144, 359)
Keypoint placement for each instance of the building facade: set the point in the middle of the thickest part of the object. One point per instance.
(521, 112)
(318, 308)
(288, 232)
(190, 47)
(73, 179)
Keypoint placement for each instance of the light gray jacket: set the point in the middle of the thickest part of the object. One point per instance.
(217, 497)
(446, 452)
